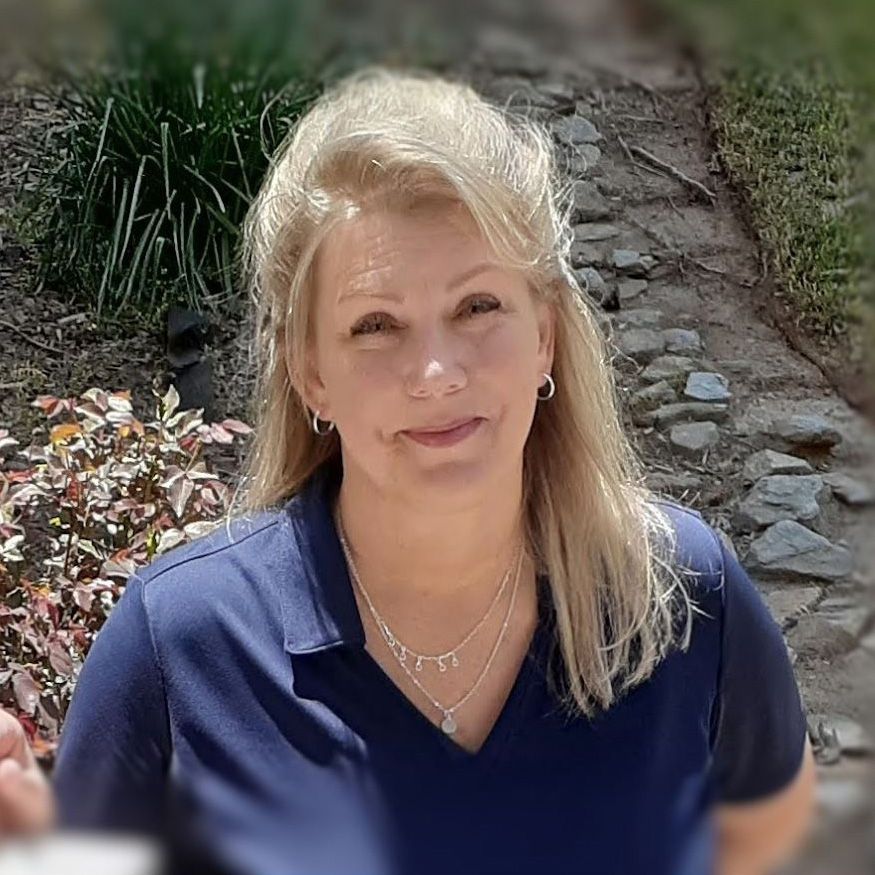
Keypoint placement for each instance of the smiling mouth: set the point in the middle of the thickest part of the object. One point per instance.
(447, 436)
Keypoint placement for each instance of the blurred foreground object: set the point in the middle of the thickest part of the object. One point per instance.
(80, 854)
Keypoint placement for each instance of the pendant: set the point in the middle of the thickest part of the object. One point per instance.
(448, 724)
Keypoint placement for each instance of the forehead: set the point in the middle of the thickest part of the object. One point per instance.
(380, 248)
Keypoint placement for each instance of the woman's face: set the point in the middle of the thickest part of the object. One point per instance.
(417, 327)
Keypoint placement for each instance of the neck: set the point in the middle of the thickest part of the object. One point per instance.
(409, 549)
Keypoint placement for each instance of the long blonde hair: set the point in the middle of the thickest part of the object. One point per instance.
(402, 137)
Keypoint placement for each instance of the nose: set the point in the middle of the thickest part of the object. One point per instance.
(436, 366)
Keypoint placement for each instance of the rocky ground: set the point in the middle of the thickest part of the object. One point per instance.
(728, 418)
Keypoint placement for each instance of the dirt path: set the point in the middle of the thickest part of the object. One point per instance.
(644, 99)
(671, 257)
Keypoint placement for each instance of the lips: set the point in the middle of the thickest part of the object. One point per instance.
(446, 437)
(437, 429)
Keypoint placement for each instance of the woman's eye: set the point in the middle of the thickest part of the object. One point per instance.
(370, 324)
(375, 322)
(485, 305)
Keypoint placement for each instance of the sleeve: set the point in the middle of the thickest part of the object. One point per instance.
(114, 750)
(759, 726)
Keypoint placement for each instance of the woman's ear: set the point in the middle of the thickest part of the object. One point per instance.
(546, 333)
(310, 387)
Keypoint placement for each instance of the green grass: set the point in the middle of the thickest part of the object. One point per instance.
(141, 192)
(792, 121)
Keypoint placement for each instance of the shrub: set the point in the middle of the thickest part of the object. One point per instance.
(138, 193)
(78, 516)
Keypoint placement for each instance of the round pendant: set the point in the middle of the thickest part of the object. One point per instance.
(448, 725)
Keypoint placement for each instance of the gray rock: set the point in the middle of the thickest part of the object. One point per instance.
(585, 253)
(682, 341)
(707, 386)
(640, 317)
(767, 462)
(814, 637)
(850, 490)
(583, 159)
(846, 611)
(592, 281)
(788, 547)
(574, 130)
(631, 288)
(673, 368)
(630, 262)
(590, 205)
(651, 397)
(788, 602)
(687, 411)
(805, 430)
(691, 439)
(851, 737)
(594, 231)
(641, 344)
(664, 482)
(561, 93)
(782, 497)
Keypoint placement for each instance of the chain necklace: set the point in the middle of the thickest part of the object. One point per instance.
(448, 724)
(403, 650)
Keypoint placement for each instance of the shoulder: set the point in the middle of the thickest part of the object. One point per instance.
(233, 569)
(697, 547)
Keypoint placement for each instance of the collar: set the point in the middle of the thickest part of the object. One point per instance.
(322, 612)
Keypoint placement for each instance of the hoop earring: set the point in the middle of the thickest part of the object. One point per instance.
(552, 391)
(315, 425)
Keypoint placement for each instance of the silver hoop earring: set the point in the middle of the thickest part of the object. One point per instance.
(316, 425)
(552, 391)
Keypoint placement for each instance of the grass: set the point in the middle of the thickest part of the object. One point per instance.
(794, 80)
(141, 191)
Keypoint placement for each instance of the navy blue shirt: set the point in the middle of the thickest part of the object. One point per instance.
(229, 703)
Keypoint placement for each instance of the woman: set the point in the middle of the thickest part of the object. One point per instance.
(451, 631)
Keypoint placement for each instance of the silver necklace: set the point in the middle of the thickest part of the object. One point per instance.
(403, 650)
(448, 724)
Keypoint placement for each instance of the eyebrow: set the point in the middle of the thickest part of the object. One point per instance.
(454, 283)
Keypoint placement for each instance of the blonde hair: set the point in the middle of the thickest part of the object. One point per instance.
(393, 137)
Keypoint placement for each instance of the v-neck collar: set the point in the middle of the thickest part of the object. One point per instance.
(325, 614)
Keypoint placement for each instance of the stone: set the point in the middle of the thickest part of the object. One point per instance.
(682, 340)
(630, 262)
(846, 611)
(787, 602)
(673, 368)
(574, 130)
(631, 288)
(805, 430)
(651, 397)
(789, 548)
(641, 344)
(561, 93)
(767, 462)
(850, 490)
(585, 253)
(707, 386)
(591, 281)
(589, 204)
(686, 411)
(782, 497)
(691, 439)
(594, 231)
(851, 737)
(583, 159)
(664, 482)
(641, 317)
(814, 637)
